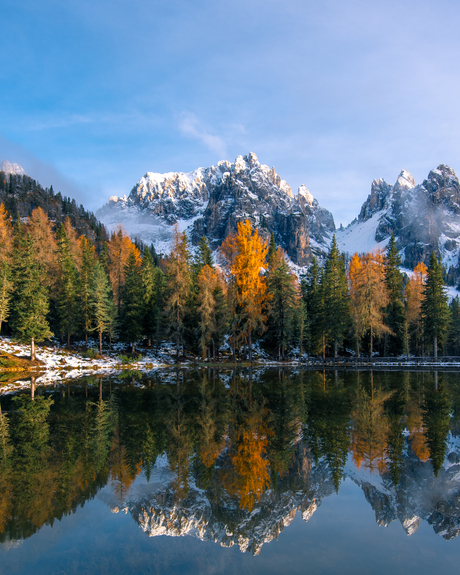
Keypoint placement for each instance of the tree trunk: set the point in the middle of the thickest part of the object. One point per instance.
(250, 346)
(335, 349)
(32, 388)
(100, 343)
(32, 349)
(371, 341)
(435, 345)
(132, 347)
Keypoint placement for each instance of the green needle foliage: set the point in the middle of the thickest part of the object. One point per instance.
(394, 311)
(435, 309)
(30, 302)
(101, 302)
(335, 295)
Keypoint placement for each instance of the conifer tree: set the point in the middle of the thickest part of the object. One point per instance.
(435, 309)
(203, 256)
(6, 289)
(131, 308)
(314, 299)
(394, 311)
(226, 256)
(207, 281)
(178, 279)
(148, 294)
(369, 296)
(159, 286)
(283, 286)
(30, 303)
(88, 258)
(251, 288)
(120, 246)
(414, 297)
(101, 302)
(335, 294)
(68, 286)
(454, 331)
(6, 235)
(271, 250)
(220, 317)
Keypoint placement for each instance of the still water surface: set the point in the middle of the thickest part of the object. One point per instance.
(220, 471)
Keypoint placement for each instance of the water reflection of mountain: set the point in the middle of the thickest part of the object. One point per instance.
(231, 458)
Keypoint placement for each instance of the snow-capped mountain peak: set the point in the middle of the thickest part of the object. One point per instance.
(211, 201)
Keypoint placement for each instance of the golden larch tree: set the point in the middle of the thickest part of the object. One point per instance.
(414, 297)
(369, 295)
(250, 284)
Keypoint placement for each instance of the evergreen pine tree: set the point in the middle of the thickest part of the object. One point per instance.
(148, 295)
(86, 272)
(178, 278)
(271, 250)
(203, 256)
(454, 329)
(281, 309)
(68, 286)
(30, 302)
(159, 290)
(101, 302)
(131, 303)
(335, 294)
(6, 289)
(435, 309)
(314, 299)
(394, 312)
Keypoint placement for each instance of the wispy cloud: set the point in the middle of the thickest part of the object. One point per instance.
(190, 126)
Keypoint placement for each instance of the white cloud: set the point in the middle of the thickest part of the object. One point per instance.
(190, 126)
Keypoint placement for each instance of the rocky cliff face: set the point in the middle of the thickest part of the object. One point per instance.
(422, 217)
(210, 202)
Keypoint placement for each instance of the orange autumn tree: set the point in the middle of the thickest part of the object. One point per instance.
(120, 248)
(369, 296)
(250, 284)
(252, 476)
(414, 297)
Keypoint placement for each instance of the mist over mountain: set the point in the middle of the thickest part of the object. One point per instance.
(423, 218)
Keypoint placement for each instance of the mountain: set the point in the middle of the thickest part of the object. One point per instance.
(21, 194)
(423, 218)
(212, 514)
(210, 202)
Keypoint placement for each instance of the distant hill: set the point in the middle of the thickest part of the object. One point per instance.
(21, 195)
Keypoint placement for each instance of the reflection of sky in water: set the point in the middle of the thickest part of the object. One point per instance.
(342, 536)
(299, 525)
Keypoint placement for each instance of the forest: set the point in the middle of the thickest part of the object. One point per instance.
(56, 281)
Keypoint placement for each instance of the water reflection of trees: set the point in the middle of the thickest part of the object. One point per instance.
(235, 434)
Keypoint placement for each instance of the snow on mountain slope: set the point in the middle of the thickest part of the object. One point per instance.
(211, 201)
(423, 218)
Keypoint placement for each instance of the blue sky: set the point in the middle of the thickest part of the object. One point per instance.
(332, 93)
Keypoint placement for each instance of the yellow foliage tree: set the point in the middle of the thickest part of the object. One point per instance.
(249, 254)
(6, 235)
(369, 295)
(120, 247)
(250, 462)
(414, 297)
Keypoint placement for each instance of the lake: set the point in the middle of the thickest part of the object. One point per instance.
(233, 471)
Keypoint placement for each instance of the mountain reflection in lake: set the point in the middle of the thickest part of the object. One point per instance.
(230, 457)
